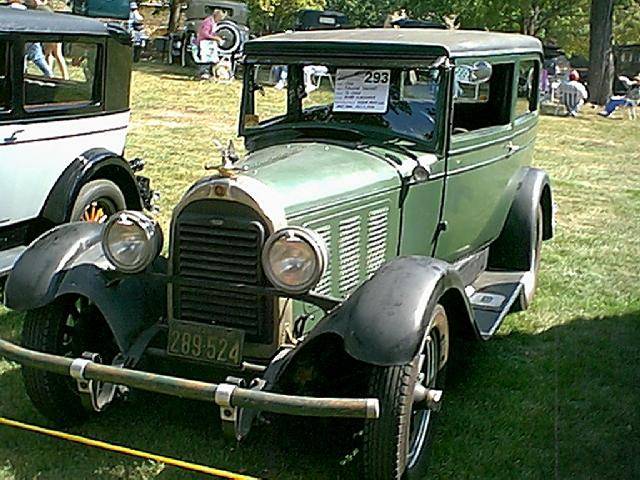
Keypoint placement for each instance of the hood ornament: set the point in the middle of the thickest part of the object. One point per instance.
(228, 167)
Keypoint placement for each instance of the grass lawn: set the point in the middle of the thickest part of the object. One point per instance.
(555, 395)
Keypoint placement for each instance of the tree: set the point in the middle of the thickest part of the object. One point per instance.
(175, 7)
(601, 51)
(269, 16)
(365, 13)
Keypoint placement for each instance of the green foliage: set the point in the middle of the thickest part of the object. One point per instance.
(563, 23)
(626, 22)
(268, 16)
(547, 19)
(365, 13)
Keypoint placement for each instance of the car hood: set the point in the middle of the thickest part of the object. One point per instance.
(311, 175)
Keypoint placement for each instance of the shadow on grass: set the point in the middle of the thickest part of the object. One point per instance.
(562, 403)
(167, 72)
(559, 404)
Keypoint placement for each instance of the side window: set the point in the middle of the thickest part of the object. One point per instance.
(528, 87)
(485, 104)
(5, 81)
(61, 74)
(270, 97)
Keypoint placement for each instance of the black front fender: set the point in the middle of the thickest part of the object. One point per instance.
(384, 321)
(69, 260)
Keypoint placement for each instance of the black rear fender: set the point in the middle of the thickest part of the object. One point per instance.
(511, 250)
(94, 164)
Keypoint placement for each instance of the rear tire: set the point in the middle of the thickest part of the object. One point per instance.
(530, 278)
(396, 446)
(97, 201)
(67, 329)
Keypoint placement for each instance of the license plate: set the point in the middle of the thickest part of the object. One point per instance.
(205, 343)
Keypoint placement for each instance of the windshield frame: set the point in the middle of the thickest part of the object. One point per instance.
(434, 144)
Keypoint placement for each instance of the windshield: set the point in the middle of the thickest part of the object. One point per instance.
(395, 100)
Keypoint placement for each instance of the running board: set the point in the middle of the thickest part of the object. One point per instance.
(491, 296)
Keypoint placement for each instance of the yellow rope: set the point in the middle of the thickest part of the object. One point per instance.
(124, 450)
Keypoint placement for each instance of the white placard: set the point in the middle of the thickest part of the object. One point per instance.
(209, 51)
(365, 91)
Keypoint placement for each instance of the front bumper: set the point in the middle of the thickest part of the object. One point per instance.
(226, 395)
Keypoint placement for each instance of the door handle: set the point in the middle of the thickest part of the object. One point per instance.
(13, 137)
(512, 148)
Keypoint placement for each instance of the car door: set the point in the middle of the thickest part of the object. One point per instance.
(422, 195)
(6, 114)
(482, 162)
(58, 118)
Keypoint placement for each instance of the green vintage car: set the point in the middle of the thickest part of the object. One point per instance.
(386, 211)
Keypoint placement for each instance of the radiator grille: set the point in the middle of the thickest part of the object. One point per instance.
(377, 238)
(217, 245)
(358, 243)
(349, 253)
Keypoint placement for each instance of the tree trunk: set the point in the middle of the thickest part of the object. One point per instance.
(601, 51)
(174, 15)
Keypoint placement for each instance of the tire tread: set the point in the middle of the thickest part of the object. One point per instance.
(49, 392)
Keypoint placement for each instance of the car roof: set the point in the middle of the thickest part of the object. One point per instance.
(13, 20)
(394, 42)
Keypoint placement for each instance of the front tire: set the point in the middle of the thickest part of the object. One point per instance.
(65, 328)
(396, 446)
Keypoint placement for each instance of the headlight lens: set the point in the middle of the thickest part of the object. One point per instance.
(294, 259)
(131, 241)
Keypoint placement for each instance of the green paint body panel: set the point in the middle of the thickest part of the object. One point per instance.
(335, 191)
(311, 176)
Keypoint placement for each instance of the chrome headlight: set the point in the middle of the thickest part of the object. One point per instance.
(131, 241)
(294, 259)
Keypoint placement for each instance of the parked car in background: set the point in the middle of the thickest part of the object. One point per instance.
(414, 23)
(627, 64)
(62, 134)
(123, 12)
(320, 20)
(233, 30)
(377, 220)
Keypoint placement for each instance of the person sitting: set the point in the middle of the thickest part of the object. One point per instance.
(629, 99)
(207, 33)
(573, 94)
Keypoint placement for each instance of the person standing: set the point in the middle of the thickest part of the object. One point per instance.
(573, 93)
(207, 33)
(53, 51)
(33, 50)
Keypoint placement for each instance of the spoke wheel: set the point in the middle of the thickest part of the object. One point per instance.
(396, 445)
(97, 201)
(98, 211)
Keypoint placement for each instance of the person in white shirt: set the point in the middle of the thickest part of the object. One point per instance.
(573, 93)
